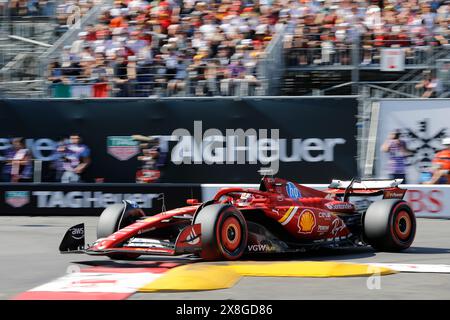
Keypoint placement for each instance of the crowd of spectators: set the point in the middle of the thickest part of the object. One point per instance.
(322, 32)
(167, 48)
(63, 13)
(61, 9)
(25, 8)
(188, 47)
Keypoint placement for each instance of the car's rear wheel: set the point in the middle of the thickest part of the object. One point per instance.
(113, 218)
(223, 232)
(389, 225)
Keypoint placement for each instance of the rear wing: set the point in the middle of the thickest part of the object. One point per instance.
(365, 184)
(387, 187)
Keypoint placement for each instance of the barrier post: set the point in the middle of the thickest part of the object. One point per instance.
(37, 172)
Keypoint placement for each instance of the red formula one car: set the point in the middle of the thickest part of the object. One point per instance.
(281, 216)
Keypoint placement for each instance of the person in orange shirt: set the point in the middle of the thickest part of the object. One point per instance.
(116, 22)
(441, 165)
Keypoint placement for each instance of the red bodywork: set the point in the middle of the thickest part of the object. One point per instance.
(292, 216)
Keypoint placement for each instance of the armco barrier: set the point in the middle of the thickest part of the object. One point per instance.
(90, 199)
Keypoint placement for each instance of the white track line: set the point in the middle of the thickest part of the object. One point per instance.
(413, 267)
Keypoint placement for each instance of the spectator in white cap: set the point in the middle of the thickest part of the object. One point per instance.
(77, 45)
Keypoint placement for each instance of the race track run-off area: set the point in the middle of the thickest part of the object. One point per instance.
(32, 268)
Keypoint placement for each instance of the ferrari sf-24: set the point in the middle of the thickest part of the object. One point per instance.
(280, 216)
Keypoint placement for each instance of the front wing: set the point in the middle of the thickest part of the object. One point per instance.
(188, 241)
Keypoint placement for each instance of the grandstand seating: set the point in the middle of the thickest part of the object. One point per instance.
(141, 48)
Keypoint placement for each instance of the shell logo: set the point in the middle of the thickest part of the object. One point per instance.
(306, 221)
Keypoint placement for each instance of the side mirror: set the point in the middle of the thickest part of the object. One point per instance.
(192, 202)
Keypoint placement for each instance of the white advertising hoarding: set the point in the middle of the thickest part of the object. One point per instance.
(430, 201)
(422, 123)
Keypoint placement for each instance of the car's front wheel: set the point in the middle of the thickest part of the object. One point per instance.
(114, 218)
(223, 232)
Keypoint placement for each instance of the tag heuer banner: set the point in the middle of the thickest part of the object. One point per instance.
(90, 198)
(17, 199)
(122, 148)
(198, 140)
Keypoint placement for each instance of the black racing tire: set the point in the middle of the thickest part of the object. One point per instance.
(389, 225)
(109, 220)
(112, 219)
(224, 232)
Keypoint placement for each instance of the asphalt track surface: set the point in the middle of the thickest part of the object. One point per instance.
(29, 257)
